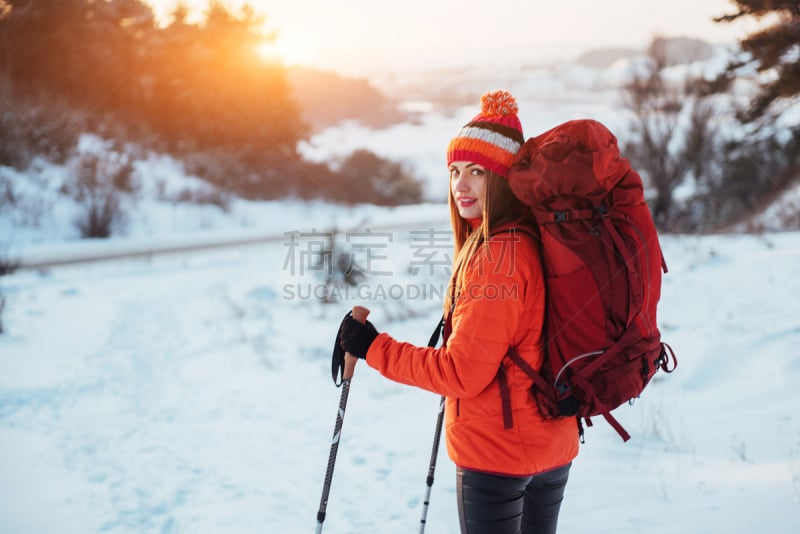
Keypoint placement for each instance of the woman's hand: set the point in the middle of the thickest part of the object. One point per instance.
(355, 337)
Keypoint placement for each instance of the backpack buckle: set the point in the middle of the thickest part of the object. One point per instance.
(562, 388)
(560, 216)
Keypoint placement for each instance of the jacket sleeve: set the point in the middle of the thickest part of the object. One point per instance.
(484, 322)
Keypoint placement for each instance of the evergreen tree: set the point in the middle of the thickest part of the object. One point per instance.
(775, 47)
(78, 51)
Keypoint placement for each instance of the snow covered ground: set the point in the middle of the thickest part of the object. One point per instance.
(191, 392)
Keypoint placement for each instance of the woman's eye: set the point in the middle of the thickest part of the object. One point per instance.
(477, 172)
(453, 173)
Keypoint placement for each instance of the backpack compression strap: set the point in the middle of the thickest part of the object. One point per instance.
(538, 381)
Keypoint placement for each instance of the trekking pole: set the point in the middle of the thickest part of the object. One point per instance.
(359, 314)
(434, 340)
(434, 453)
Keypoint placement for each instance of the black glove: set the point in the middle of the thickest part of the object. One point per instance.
(355, 337)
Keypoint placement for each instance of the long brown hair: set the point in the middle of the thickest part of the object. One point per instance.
(500, 206)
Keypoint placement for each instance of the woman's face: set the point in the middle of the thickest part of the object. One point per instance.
(467, 185)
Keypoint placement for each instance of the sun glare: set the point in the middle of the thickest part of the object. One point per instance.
(280, 49)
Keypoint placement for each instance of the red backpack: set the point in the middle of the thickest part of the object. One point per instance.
(602, 265)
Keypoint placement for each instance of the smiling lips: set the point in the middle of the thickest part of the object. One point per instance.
(466, 202)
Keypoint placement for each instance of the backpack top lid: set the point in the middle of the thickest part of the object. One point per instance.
(574, 166)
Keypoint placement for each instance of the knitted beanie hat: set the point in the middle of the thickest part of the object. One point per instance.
(492, 137)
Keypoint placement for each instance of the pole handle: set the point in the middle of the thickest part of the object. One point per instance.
(360, 314)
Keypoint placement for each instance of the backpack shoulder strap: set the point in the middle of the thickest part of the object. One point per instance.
(517, 226)
(502, 378)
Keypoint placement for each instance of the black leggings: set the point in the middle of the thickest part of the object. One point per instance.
(496, 504)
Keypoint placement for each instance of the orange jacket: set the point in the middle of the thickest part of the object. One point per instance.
(501, 305)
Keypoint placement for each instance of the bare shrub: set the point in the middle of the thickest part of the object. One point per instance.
(366, 177)
(337, 266)
(94, 185)
(100, 216)
(240, 173)
(672, 133)
(28, 130)
(121, 177)
(7, 195)
(7, 266)
(362, 177)
(679, 141)
(759, 170)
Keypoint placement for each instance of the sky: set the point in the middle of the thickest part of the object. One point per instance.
(360, 36)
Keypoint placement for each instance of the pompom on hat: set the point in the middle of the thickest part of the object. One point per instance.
(493, 137)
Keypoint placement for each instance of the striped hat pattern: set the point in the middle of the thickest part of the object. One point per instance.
(492, 137)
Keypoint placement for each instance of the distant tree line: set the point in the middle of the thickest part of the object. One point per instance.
(198, 91)
(327, 98)
(692, 135)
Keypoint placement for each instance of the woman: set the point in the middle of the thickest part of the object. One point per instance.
(512, 464)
